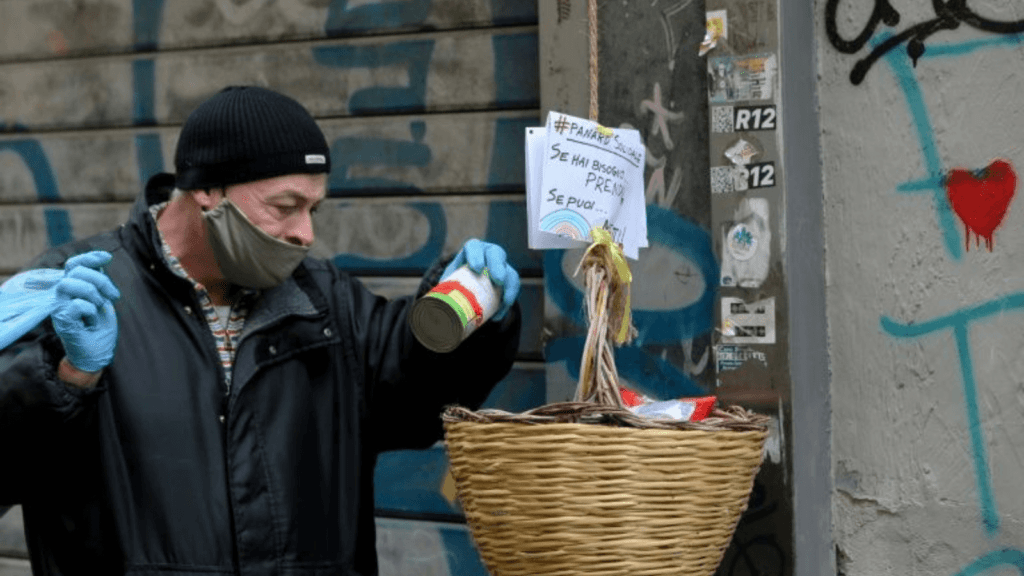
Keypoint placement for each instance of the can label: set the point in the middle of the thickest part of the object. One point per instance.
(453, 309)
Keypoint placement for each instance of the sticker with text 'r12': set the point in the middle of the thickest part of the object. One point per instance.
(761, 175)
(746, 118)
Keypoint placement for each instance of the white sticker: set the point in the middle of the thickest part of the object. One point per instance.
(741, 153)
(741, 242)
(736, 78)
(744, 323)
(316, 159)
(746, 245)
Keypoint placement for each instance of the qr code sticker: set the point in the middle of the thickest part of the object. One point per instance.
(721, 119)
(722, 179)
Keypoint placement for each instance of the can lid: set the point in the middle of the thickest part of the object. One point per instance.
(436, 324)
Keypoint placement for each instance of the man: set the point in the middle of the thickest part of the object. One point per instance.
(208, 400)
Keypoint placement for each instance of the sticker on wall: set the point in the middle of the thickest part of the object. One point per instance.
(744, 323)
(741, 153)
(722, 179)
(741, 242)
(735, 78)
(722, 120)
(752, 118)
(729, 119)
(730, 357)
(741, 178)
(760, 175)
(726, 179)
(746, 245)
(717, 28)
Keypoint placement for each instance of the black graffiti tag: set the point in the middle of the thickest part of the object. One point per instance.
(949, 15)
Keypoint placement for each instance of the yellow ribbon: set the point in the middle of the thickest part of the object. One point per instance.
(602, 237)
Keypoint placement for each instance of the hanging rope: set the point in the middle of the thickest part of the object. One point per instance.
(592, 16)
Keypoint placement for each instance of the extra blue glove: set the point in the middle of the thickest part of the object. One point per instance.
(480, 255)
(84, 315)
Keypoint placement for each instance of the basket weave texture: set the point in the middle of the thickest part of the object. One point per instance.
(589, 488)
(579, 489)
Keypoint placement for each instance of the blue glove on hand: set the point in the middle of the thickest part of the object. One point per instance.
(480, 255)
(84, 315)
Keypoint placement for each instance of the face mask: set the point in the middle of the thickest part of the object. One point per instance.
(248, 256)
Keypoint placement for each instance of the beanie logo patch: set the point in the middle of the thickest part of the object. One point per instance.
(316, 159)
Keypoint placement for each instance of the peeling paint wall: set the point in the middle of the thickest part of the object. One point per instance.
(921, 127)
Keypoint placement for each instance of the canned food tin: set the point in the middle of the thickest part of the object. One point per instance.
(449, 313)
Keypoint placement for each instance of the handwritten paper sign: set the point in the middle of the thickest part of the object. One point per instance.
(581, 175)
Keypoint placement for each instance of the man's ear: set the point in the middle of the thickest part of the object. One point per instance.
(209, 198)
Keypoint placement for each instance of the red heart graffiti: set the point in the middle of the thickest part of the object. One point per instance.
(981, 198)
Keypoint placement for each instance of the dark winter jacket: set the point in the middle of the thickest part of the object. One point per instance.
(157, 471)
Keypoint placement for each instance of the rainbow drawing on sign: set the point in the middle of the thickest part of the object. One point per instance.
(566, 223)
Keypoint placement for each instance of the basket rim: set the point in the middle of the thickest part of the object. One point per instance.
(732, 418)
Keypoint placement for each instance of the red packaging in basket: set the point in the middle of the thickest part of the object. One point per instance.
(693, 409)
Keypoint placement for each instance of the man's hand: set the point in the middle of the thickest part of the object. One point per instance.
(84, 316)
(480, 256)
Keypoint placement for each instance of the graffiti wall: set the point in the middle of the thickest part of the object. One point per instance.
(654, 77)
(423, 102)
(921, 121)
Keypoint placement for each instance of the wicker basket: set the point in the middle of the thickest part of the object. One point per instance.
(581, 489)
(589, 488)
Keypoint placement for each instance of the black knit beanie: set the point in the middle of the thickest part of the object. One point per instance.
(247, 133)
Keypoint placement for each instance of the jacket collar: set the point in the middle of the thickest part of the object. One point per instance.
(141, 225)
(293, 297)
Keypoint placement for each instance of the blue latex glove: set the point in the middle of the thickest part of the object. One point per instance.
(480, 255)
(84, 315)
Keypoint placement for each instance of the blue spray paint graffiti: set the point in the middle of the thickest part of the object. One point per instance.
(948, 16)
(957, 322)
(57, 220)
(508, 12)
(58, 226)
(144, 89)
(406, 14)
(31, 152)
(516, 76)
(409, 481)
(414, 54)
(341, 19)
(651, 375)
(655, 376)
(508, 155)
(994, 559)
(661, 326)
(146, 19)
(506, 221)
(463, 559)
(414, 263)
(932, 183)
(348, 152)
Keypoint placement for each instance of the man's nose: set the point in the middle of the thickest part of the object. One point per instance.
(301, 230)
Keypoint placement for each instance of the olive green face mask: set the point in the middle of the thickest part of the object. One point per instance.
(248, 256)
